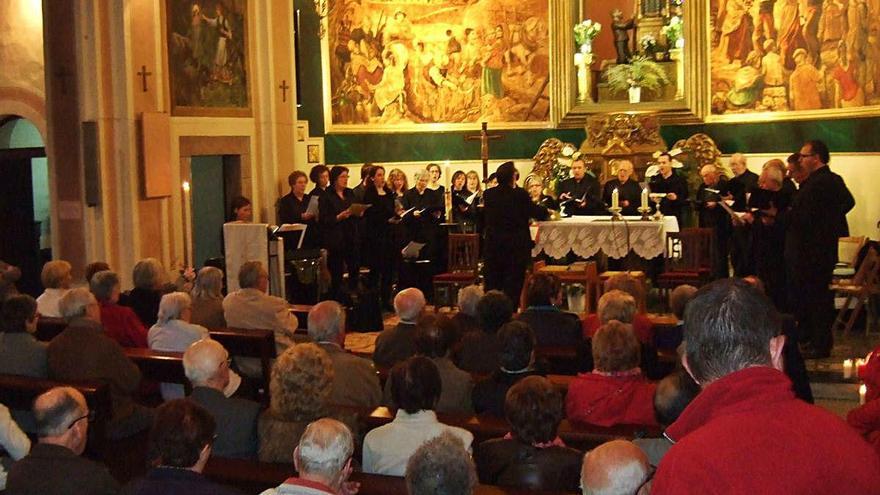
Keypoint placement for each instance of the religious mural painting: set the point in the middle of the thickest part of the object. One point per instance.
(801, 56)
(401, 65)
(207, 57)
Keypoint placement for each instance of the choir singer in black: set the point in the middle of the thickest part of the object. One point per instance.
(629, 193)
(579, 194)
(508, 247)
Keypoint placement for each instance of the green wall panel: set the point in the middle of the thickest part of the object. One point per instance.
(842, 135)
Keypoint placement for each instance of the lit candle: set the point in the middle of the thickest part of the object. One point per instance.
(862, 391)
(615, 198)
(187, 227)
(645, 198)
(847, 368)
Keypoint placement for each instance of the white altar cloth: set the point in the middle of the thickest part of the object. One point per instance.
(587, 235)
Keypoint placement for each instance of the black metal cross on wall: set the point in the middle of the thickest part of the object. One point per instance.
(143, 73)
(284, 87)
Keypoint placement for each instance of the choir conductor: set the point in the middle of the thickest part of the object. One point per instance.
(507, 210)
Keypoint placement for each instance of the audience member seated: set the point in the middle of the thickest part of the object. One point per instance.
(432, 340)
(323, 461)
(394, 345)
(13, 441)
(54, 465)
(56, 279)
(678, 299)
(480, 350)
(866, 418)
(150, 282)
(251, 307)
(20, 352)
(618, 468)
(83, 352)
(180, 444)
(441, 466)
(465, 319)
(517, 356)
(531, 456)
(206, 364)
(673, 394)
(415, 388)
(615, 392)
(95, 267)
(552, 327)
(173, 332)
(746, 431)
(207, 298)
(641, 323)
(120, 322)
(621, 306)
(355, 381)
(300, 386)
(9, 275)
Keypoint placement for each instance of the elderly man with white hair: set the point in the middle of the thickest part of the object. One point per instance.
(323, 461)
(355, 381)
(743, 183)
(711, 193)
(83, 352)
(251, 307)
(466, 318)
(617, 467)
(396, 344)
(206, 364)
(174, 333)
(54, 464)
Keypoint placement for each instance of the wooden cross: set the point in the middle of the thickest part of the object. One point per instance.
(143, 73)
(484, 138)
(62, 74)
(284, 87)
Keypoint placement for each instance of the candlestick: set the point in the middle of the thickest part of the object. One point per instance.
(645, 198)
(847, 368)
(862, 391)
(187, 225)
(615, 198)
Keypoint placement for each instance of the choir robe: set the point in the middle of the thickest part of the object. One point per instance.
(586, 188)
(628, 191)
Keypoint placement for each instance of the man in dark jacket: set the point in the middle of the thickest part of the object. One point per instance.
(813, 225)
(508, 247)
(711, 193)
(579, 194)
(742, 184)
(673, 185)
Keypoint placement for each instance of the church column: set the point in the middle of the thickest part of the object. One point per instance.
(285, 92)
(63, 132)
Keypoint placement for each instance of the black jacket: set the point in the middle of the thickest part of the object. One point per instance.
(587, 189)
(628, 191)
(236, 422)
(673, 184)
(56, 470)
(510, 462)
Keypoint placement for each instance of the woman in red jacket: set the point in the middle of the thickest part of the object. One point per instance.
(615, 392)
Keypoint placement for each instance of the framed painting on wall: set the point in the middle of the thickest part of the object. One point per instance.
(428, 65)
(208, 57)
(791, 59)
(315, 151)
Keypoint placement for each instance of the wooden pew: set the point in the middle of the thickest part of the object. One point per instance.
(160, 366)
(254, 477)
(242, 342)
(18, 393)
(48, 327)
(484, 427)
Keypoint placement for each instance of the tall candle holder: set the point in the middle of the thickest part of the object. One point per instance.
(644, 210)
(657, 198)
(615, 213)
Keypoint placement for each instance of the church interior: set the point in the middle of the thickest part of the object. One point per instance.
(129, 128)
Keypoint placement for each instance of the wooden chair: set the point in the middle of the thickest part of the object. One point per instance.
(688, 260)
(859, 290)
(464, 256)
(581, 272)
(641, 300)
(848, 249)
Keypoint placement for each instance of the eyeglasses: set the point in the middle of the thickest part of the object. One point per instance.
(90, 416)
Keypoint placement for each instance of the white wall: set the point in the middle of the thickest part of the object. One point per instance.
(860, 171)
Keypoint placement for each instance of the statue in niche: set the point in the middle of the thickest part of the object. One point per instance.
(621, 35)
(651, 8)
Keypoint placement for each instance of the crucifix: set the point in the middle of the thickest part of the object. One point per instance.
(484, 138)
(143, 73)
(284, 87)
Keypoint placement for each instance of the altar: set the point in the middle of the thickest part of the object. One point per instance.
(585, 236)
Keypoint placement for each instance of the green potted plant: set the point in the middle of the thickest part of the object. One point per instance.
(640, 72)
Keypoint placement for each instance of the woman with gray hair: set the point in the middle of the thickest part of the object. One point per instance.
(207, 298)
(150, 282)
(120, 322)
(173, 332)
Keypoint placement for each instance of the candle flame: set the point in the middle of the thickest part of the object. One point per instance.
(185, 186)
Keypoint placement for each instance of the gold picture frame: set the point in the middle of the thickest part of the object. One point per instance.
(568, 112)
(828, 55)
(522, 21)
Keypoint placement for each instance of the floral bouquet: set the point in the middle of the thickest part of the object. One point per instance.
(586, 32)
(648, 43)
(673, 31)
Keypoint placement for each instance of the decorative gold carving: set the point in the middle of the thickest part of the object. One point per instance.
(616, 136)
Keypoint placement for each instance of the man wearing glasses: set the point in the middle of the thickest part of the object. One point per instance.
(813, 225)
(55, 465)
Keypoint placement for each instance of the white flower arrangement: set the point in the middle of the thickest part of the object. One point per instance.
(673, 31)
(586, 31)
(648, 42)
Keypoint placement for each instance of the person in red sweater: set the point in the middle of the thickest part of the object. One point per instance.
(746, 432)
(120, 322)
(641, 323)
(866, 418)
(615, 392)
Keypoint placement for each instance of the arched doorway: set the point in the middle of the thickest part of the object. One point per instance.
(24, 201)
